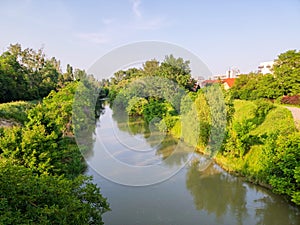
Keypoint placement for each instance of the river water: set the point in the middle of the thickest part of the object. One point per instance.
(195, 194)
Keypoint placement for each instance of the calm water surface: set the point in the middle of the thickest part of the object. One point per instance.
(192, 196)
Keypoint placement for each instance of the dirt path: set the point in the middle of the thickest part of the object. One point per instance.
(296, 114)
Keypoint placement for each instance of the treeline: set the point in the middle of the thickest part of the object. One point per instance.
(253, 138)
(26, 74)
(284, 81)
(41, 165)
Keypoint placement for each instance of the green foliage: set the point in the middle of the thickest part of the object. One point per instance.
(136, 106)
(263, 146)
(154, 110)
(27, 74)
(278, 120)
(284, 80)
(171, 69)
(286, 70)
(40, 166)
(177, 70)
(46, 144)
(283, 166)
(219, 107)
(55, 112)
(40, 162)
(15, 110)
(26, 198)
(240, 136)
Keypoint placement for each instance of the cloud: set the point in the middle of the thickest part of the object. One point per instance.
(98, 38)
(135, 8)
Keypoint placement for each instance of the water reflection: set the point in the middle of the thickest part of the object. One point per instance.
(138, 128)
(221, 194)
(216, 192)
(273, 206)
(161, 146)
(201, 193)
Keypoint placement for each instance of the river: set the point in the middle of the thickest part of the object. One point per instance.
(193, 195)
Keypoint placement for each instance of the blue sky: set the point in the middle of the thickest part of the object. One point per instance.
(221, 33)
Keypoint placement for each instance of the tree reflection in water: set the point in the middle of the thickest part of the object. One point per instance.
(216, 192)
(166, 147)
(273, 210)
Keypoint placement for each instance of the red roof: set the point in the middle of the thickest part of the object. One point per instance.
(229, 81)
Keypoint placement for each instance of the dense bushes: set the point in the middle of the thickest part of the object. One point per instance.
(30, 199)
(264, 147)
(42, 144)
(283, 165)
(40, 167)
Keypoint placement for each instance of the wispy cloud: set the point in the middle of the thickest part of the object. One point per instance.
(135, 8)
(98, 38)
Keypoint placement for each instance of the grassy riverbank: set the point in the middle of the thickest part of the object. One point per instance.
(272, 158)
(278, 121)
(262, 145)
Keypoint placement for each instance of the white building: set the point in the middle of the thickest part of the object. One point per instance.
(232, 72)
(265, 67)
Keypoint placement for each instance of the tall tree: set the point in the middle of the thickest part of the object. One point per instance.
(287, 71)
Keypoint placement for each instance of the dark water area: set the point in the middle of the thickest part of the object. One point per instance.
(195, 194)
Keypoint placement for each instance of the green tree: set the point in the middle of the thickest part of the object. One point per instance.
(177, 70)
(26, 198)
(286, 70)
(27, 74)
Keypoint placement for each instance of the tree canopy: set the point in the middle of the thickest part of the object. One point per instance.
(285, 80)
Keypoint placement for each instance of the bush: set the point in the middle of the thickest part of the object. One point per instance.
(136, 106)
(27, 198)
(284, 164)
(154, 109)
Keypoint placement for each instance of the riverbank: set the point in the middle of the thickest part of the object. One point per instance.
(262, 147)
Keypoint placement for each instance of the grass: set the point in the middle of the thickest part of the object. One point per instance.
(15, 110)
(243, 110)
(278, 120)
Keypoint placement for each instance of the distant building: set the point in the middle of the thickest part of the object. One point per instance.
(265, 67)
(233, 72)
